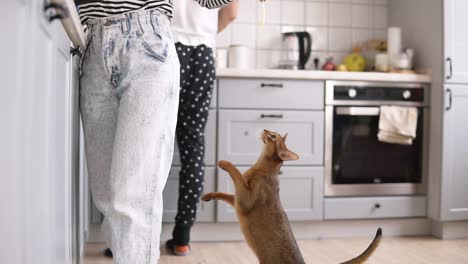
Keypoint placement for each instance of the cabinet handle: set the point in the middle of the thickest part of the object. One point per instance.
(449, 60)
(449, 91)
(271, 116)
(271, 85)
(55, 11)
(377, 206)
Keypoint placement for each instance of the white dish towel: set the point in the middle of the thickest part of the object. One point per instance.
(397, 124)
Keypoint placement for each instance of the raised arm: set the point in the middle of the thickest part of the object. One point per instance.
(227, 14)
(212, 4)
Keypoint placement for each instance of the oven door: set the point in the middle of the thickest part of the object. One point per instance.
(356, 163)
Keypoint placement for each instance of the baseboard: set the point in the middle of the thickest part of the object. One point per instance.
(210, 232)
(450, 230)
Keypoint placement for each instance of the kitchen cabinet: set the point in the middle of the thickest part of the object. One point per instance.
(205, 212)
(301, 192)
(248, 106)
(454, 202)
(38, 83)
(239, 134)
(447, 60)
(455, 41)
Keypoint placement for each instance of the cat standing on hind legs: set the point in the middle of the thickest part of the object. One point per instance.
(258, 206)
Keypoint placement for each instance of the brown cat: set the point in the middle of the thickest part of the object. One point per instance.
(261, 216)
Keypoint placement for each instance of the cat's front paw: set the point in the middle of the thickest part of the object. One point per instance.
(207, 197)
(224, 164)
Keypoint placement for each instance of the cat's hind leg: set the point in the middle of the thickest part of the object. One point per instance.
(228, 198)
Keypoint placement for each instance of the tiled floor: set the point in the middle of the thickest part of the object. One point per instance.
(391, 251)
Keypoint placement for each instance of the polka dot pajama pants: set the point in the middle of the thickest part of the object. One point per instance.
(197, 76)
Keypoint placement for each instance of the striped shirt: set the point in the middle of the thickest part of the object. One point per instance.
(90, 9)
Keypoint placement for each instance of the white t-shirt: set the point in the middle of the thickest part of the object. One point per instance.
(194, 25)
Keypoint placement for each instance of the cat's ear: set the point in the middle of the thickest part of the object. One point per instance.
(288, 155)
(285, 136)
(284, 153)
(270, 135)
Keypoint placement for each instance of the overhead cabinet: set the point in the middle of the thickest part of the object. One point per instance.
(455, 152)
(456, 41)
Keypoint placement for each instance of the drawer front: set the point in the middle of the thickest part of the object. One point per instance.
(210, 142)
(205, 212)
(301, 192)
(271, 94)
(374, 207)
(239, 134)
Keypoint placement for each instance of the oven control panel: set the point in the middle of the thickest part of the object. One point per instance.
(378, 93)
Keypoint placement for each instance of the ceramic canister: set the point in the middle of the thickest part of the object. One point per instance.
(239, 57)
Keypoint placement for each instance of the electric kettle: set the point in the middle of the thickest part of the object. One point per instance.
(297, 47)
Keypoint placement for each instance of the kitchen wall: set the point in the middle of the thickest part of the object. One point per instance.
(335, 25)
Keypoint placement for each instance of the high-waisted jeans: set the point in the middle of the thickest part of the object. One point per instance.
(129, 101)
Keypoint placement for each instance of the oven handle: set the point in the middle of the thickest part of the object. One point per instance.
(358, 111)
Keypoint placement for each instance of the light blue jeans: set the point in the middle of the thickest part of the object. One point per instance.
(129, 101)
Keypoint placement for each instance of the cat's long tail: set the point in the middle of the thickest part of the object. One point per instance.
(368, 252)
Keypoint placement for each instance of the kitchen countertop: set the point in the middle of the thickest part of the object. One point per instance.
(322, 75)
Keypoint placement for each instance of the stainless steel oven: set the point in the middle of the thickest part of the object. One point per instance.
(356, 163)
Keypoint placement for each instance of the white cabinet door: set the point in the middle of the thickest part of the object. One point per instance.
(239, 134)
(455, 153)
(205, 212)
(210, 142)
(39, 84)
(301, 193)
(456, 41)
(15, 20)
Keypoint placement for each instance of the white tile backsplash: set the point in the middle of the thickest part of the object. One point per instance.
(273, 12)
(340, 14)
(243, 34)
(358, 36)
(247, 11)
(269, 37)
(292, 12)
(380, 16)
(340, 39)
(367, 2)
(361, 16)
(380, 34)
(381, 2)
(336, 27)
(223, 40)
(316, 14)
